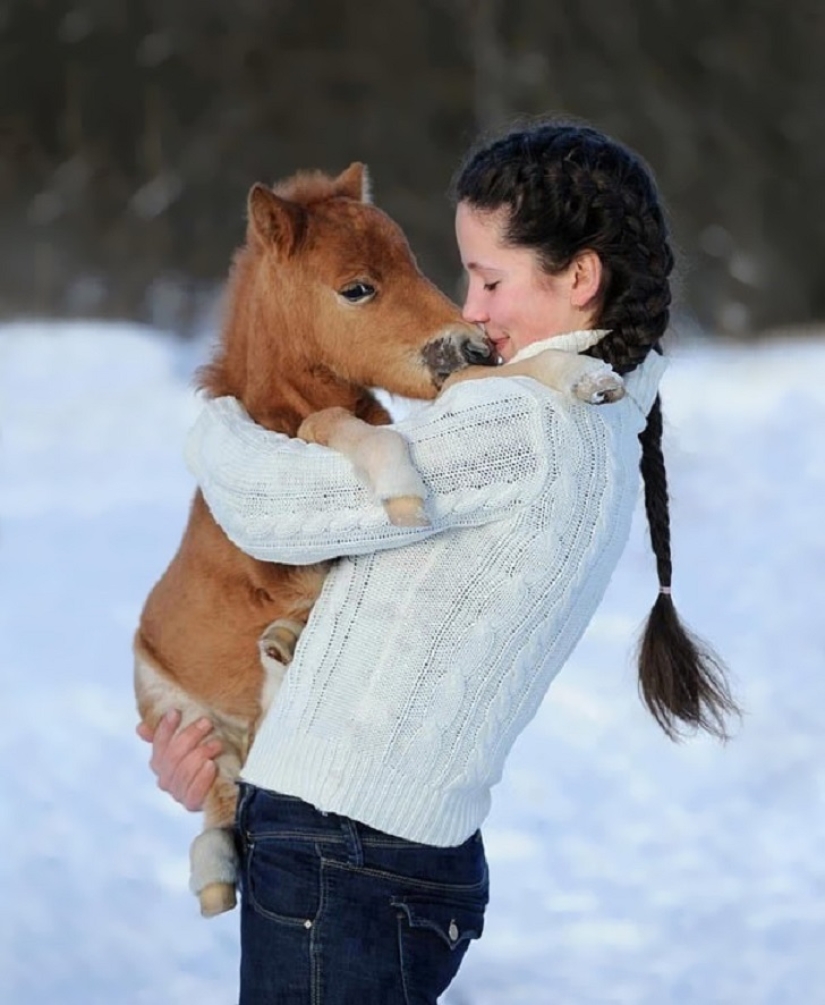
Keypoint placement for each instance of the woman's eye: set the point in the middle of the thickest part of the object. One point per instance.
(357, 293)
(491, 286)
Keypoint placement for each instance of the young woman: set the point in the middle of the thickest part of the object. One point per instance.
(431, 648)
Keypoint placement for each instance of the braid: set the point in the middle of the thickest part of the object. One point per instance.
(568, 189)
(679, 677)
(636, 295)
(656, 500)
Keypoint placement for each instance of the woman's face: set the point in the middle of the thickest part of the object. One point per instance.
(508, 293)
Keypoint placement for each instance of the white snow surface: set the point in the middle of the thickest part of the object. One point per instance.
(625, 869)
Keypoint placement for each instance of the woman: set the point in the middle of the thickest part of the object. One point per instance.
(362, 798)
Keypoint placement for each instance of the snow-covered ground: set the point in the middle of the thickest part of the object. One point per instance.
(625, 869)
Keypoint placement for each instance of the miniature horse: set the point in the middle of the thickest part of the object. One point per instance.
(324, 301)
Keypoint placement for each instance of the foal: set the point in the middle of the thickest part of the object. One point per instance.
(324, 301)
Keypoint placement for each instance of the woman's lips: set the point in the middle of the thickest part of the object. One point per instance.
(499, 344)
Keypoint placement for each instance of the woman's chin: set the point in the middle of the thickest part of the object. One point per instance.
(505, 350)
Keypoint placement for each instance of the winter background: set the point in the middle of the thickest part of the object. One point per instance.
(625, 869)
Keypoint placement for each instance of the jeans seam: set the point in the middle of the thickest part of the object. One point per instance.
(331, 837)
(316, 976)
(417, 884)
(389, 842)
(315, 836)
(355, 850)
(328, 837)
(400, 941)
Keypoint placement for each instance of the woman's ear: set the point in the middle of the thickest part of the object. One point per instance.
(587, 278)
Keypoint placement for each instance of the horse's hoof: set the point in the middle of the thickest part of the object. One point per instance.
(279, 640)
(216, 898)
(406, 511)
(599, 388)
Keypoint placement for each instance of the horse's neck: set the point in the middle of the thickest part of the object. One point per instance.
(288, 401)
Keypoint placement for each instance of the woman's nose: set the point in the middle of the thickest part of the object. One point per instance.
(472, 310)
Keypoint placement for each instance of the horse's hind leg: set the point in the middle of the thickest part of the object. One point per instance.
(213, 856)
(296, 591)
(278, 641)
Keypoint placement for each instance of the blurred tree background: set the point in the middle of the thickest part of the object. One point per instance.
(131, 130)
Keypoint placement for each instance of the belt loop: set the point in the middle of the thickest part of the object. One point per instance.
(245, 793)
(355, 851)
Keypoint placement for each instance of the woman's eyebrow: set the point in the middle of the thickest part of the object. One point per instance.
(480, 267)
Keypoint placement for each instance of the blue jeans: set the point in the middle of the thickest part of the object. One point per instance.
(337, 913)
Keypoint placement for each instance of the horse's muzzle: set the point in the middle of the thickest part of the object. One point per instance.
(456, 350)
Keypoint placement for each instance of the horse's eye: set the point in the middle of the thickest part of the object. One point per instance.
(358, 293)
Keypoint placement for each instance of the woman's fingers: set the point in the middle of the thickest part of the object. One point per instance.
(199, 787)
(171, 745)
(178, 758)
(185, 767)
(183, 760)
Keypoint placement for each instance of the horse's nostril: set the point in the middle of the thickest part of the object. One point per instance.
(479, 353)
(454, 351)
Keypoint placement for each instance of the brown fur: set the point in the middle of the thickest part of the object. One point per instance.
(291, 345)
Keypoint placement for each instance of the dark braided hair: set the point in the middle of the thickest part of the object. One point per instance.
(568, 188)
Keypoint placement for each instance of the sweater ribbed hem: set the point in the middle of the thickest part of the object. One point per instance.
(329, 775)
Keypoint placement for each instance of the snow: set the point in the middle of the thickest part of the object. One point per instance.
(625, 869)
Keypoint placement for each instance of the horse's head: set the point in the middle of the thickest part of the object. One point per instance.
(327, 293)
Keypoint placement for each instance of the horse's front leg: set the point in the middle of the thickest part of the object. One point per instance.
(585, 378)
(381, 458)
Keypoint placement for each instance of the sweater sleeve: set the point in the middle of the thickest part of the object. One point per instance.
(481, 449)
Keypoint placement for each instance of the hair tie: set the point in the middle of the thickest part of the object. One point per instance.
(666, 590)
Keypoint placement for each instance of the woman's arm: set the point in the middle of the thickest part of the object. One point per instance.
(481, 450)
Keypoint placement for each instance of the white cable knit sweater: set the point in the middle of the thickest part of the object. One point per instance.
(421, 664)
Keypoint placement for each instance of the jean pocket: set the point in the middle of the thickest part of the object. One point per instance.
(451, 922)
(433, 936)
(283, 880)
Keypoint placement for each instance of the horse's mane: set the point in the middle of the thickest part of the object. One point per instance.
(311, 187)
(214, 376)
(307, 188)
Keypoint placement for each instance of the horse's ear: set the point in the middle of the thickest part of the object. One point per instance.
(274, 221)
(354, 183)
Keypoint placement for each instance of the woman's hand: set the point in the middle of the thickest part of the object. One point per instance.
(184, 761)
